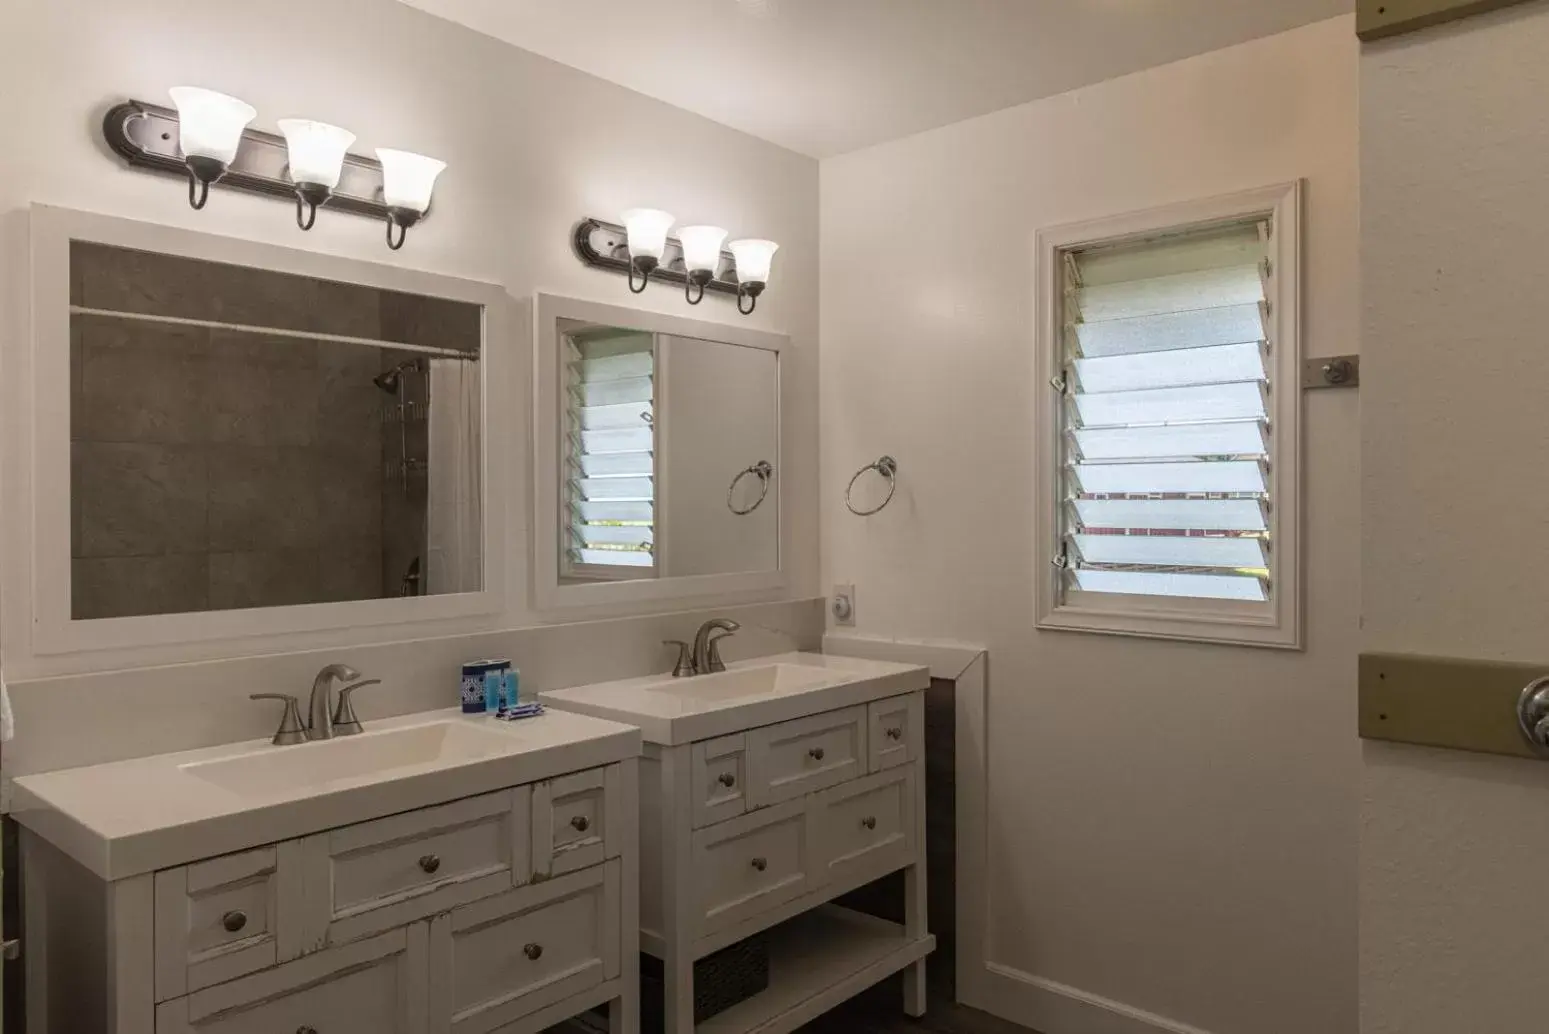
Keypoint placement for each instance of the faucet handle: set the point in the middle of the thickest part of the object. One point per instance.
(713, 650)
(685, 665)
(291, 730)
(345, 723)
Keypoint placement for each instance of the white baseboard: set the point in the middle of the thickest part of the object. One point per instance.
(1054, 1008)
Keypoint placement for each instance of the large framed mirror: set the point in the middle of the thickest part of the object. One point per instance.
(659, 457)
(233, 438)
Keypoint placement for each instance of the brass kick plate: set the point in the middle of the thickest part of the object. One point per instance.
(1444, 702)
(1375, 19)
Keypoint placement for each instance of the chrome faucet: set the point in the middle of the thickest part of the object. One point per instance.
(320, 711)
(707, 654)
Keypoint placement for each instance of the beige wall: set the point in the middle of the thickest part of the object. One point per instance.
(1173, 826)
(532, 146)
(1454, 163)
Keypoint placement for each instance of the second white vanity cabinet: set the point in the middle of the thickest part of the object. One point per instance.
(503, 911)
(766, 792)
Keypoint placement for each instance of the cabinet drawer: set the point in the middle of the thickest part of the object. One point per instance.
(376, 875)
(575, 821)
(720, 777)
(794, 758)
(225, 917)
(752, 863)
(377, 985)
(866, 828)
(510, 955)
(895, 731)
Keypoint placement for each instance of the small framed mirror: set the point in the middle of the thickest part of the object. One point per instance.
(659, 456)
(239, 438)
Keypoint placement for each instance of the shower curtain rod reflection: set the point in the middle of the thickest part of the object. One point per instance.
(247, 328)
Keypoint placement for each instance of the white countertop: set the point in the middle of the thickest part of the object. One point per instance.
(667, 712)
(131, 817)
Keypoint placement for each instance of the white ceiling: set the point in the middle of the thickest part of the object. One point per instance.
(822, 77)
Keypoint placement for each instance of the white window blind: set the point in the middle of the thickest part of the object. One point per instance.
(610, 454)
(1167, 440)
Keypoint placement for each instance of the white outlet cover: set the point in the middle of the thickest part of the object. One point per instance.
(841, 605)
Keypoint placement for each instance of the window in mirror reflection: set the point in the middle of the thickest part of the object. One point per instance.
(657, 429)
(245, 438)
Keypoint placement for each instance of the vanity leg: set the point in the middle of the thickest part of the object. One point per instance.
(624, 1011)
(915, 926)
(679, 895)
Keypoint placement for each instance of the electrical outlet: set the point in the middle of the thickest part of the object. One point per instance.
(842, 606)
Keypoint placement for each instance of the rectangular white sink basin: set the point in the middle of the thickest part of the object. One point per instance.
(747, 694)
(318, 765)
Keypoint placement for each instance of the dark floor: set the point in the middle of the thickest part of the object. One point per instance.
(880, 1011)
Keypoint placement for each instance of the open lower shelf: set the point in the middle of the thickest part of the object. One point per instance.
(817, 960)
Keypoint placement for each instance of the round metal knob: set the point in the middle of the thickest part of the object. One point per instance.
(816, 753)
(533, 951)
(870, 822)
(727, 780)
(895, 733)
(580, 824)
(234, 920)
(1533, 714)
(430, 863)
(760, 864)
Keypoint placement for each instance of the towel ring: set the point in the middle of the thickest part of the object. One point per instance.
(887, 466)
(763, 471)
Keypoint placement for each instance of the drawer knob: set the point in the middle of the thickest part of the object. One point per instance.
(727, 780)
(870, 822)
(533, 951)
(430, 863)
(580, 824)
(234, 920)
(816, 753)
(895, 733)
(760, 864)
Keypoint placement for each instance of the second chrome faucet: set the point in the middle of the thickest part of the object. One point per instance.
(704, 656)
(325, 719)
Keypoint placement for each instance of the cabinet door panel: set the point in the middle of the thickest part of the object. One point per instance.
(896, 731)
(749, 864)
(804, 755)
(574, 818)
(720, 779)
(866, 828)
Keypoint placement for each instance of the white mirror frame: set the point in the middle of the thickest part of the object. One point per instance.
(35, 361)
(548, 592)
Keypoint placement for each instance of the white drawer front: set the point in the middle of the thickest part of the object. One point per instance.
(720, 779)
(895, 732)
(379, 985)
(222, 918)
(575, 821)
(866, 828)
(510, 955)
(752, 863)
(376, 875)
(798, 757)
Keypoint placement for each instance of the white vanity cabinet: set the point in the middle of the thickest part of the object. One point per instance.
(504, 911)
(759, 808)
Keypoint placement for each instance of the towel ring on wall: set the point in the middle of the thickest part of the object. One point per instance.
(763, 471)
(887, 466)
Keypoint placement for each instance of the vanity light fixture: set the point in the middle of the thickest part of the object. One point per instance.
(701, 258)
(210, 126)
(407, 182)
(316, 156)
(646, 229)
(754, 258)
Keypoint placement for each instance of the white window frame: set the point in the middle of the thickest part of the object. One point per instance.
(1276, 623)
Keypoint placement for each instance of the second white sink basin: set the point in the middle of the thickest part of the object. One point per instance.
(736, 683)
(311, 766)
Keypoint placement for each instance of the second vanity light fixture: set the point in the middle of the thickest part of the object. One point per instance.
(639, 247)
(206, 138)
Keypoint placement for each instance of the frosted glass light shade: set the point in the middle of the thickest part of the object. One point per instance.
(408, 178)
(647, 230)
(701, 247)
(754, 258)
(316, 150)
(210, 124)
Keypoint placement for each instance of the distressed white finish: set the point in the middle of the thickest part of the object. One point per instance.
(548, 165)
(1453, 150)
(827, 76)
(1143, 832)
(448, 918)
(549, 391)
(810, 813)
